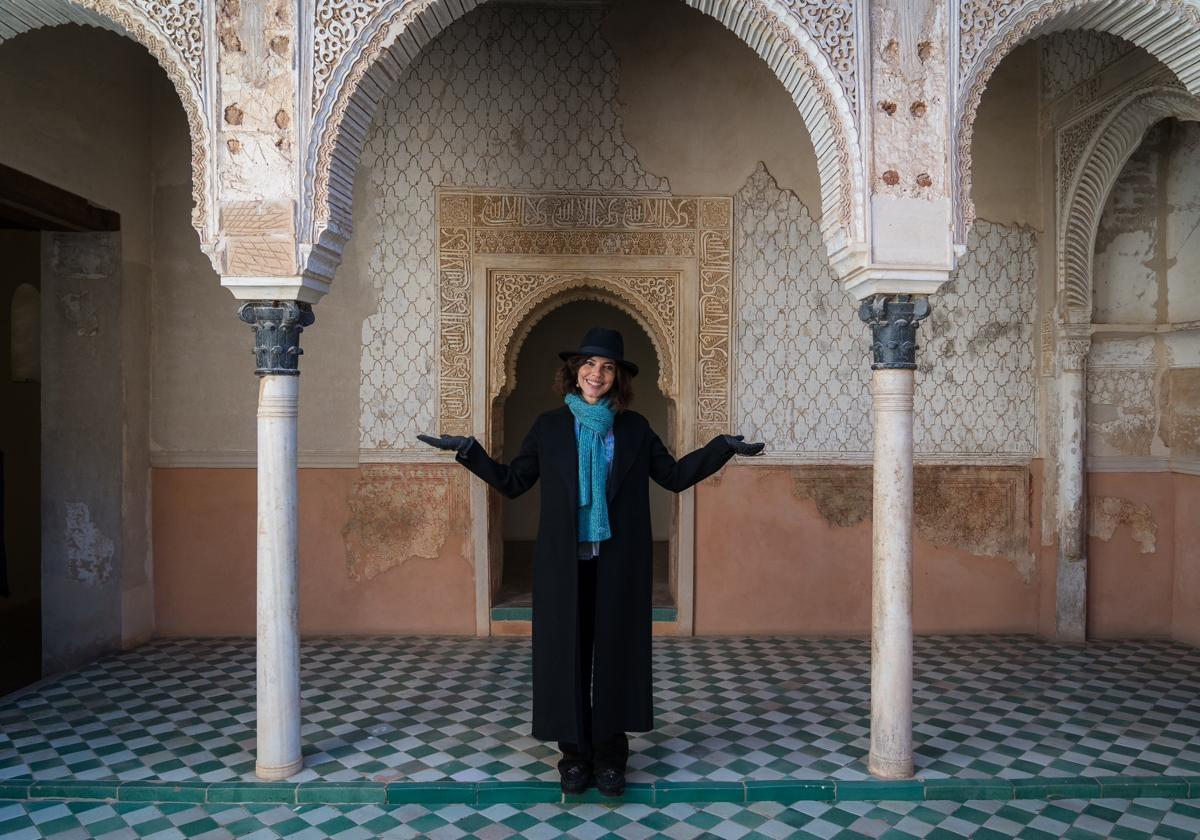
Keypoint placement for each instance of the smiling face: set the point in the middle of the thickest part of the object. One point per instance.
(595, 378)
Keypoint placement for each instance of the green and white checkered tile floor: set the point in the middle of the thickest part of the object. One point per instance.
(1075, 819)
(728, 709)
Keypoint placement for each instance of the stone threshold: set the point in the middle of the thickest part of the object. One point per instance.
(784, 791)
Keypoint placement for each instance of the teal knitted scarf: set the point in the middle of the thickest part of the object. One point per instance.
(594, 423)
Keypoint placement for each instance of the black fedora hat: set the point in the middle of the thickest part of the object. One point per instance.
(601, 342)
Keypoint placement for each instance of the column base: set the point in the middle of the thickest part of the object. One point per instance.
(890, 768)
(277, 774)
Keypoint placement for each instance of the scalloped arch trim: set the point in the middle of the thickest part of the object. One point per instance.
(1114, 141)
(990, 29)
(397, 31)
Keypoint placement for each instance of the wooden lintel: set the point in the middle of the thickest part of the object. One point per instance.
(30, 203)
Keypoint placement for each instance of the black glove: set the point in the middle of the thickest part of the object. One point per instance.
(739, 446)
(453, 443)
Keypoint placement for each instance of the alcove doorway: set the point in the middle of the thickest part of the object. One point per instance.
(536, 365)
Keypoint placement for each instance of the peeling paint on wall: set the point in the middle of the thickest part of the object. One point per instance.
(79, 311)
(1107, 513)
(400, 512)
(981, 510)
(89, 552)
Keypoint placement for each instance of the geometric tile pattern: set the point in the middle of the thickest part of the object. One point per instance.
(509, 97)
(1071, 57)
(802, 368)
(1077, 819)
(727, 709)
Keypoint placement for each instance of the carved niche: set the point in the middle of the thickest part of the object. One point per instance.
(485, 224)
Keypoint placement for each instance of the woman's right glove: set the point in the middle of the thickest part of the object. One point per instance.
(739, 446)
(451, 443)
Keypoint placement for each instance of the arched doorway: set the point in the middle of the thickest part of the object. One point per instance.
(534, 365)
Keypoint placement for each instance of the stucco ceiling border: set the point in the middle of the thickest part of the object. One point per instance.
(988, 30)
(1111, 145)
(360, 47)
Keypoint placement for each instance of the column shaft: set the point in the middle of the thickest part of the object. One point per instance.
(278, 631)
(277, 326)
(891, 581)
(1070, 613)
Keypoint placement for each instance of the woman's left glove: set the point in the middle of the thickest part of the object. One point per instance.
(452, 443)
(739, 446)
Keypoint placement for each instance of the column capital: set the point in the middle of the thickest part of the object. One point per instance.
(894, 320)
(1071, 347)
(277, 325)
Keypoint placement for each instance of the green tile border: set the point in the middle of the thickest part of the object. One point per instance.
(788, 791)
(341, 793)
(194, 792)
(659, 793)
(906, 790)
(15, 788)
(666, 793)
(430, 793)
(73, 789)
(235, 792)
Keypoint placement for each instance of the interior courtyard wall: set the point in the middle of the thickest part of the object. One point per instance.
(83, 100)
(466, 116)
(1142, 400)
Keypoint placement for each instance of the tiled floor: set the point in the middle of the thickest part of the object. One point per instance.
(1076, 819)
(427, 709)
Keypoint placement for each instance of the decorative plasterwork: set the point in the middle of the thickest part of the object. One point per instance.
(988, 30)
(361, 45)
(1110, 146)
(518, 300)
(546, 225)
(172, 30)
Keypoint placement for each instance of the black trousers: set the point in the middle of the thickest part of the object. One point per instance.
(600, 749)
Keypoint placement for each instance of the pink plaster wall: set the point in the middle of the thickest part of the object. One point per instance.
(767, 561)
(204, 563)
(1185, 613)
(1130, 593)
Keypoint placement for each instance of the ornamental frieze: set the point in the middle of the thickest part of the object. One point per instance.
(482, 224)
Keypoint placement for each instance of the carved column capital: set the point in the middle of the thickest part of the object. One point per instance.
(277, 326)
(1071, 352)
(894, 320)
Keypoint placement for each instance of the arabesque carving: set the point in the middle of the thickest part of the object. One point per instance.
(572, 224)
(518, 300)
(988, 30)
(361, 44)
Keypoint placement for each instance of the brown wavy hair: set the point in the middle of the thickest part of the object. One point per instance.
(621, 392)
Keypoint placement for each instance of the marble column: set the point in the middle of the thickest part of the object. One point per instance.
(1070, 608)
(277, 326)
(893, 320)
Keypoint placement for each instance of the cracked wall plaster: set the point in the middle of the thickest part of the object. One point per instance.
(1107, 513)
(89, 552)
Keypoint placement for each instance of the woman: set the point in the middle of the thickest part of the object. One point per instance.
(592, 564)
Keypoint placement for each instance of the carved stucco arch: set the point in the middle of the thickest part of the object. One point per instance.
(990, 29)
(356, 67)
(1114, 141)
(172, 32)
(509, 337)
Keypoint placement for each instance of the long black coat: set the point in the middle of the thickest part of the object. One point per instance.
(622, 701)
